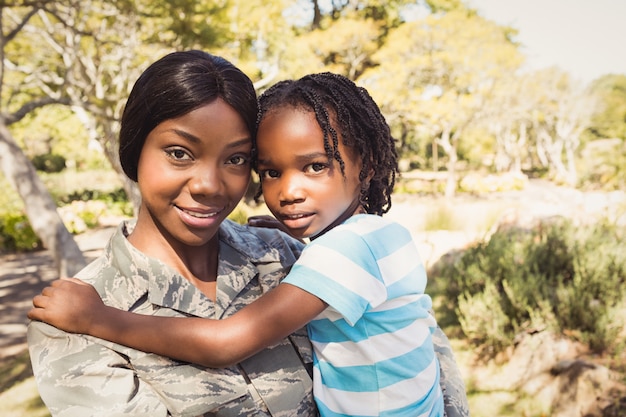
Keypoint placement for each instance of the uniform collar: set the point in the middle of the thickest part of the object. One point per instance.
(242, 254)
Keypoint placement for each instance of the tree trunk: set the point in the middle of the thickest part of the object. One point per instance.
(448, 144)
(451, 178)
(39, 206)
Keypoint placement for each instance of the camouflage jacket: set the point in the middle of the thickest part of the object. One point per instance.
(80, 375)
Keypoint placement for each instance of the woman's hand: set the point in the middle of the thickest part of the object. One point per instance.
(68, 304)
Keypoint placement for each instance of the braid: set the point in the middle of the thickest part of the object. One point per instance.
(343, 109)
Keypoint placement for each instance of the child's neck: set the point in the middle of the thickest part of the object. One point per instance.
(355, 208)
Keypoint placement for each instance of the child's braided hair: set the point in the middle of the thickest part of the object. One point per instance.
(340, 104)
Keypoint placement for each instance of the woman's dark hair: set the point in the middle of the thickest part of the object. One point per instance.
(175, 85)
(342, 107)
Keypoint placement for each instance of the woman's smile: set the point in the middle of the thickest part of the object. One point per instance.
(199, 218)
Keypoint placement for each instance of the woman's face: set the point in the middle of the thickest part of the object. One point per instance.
(301, 187)
(193, 171)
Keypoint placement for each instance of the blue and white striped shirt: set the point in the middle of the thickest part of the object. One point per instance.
(373, 348)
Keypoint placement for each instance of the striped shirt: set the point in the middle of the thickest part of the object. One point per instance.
(373, 348)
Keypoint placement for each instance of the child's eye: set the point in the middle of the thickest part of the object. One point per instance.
(178, 154)
(315, 167)
(238, 160)
(268, 174)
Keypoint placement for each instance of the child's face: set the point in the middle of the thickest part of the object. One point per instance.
(300, 187)
(192, 172)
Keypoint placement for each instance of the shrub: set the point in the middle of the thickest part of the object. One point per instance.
(49, 162)
(78, 216)
(81, 210)
(239, 215)
(16, 234)
(557, 276)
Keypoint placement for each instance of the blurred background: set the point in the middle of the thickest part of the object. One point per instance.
(510, 119)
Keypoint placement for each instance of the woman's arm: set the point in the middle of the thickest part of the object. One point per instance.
(77, 377)
(76, 307)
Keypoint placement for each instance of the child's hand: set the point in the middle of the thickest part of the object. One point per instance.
(68, 304)
(269, 222)
(264, 220)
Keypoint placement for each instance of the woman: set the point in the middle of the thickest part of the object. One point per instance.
(186, 139)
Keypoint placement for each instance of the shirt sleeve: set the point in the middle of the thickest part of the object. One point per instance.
(342, 272)
(78, 378)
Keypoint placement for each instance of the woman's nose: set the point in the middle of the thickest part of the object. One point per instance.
(206, 181)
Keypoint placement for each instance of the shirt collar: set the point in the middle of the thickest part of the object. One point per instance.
(241, 255)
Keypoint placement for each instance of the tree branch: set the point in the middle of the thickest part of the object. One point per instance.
(30, 106)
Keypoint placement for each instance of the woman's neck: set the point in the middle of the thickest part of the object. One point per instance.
(198, 264)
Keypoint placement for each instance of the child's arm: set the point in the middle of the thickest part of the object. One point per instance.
(74, 306)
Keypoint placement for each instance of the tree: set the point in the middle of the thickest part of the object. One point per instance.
(562, 112)
(84, 54)
(445, 67)
(26, 84)
(507, 115)
(609, 121)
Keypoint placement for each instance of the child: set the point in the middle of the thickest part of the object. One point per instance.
(327, 164)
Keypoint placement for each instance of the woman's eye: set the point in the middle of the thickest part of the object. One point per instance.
(178, 154)
(238, 160)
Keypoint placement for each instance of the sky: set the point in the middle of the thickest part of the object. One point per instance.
(586, 38)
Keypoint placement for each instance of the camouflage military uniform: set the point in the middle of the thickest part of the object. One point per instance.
(454, 395)
(80, 375)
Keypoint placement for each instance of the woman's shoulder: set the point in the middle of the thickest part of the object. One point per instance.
(259, 242)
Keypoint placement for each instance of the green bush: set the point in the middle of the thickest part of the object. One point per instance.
(81, 210)
(16, 234)
(239, 215)
(114, 196)
(49, 162)
(78, 216)
(556, 276)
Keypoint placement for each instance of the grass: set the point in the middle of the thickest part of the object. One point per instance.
(18, 392)
(471, 216)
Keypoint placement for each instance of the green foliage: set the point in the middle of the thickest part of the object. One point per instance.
(239, 215)
(188, 24)
(18, 390)
(442, 218)
(476, 183)
(610, 120)
(9, 199)
(78, 216)
(69, 185)
(114, 196)
(557, 276)
(604, 165)
(82, 210)
(52, 130)
(49, 162)
(16, 234)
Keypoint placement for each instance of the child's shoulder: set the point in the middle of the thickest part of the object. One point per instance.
(365, 228)
(368, 223)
